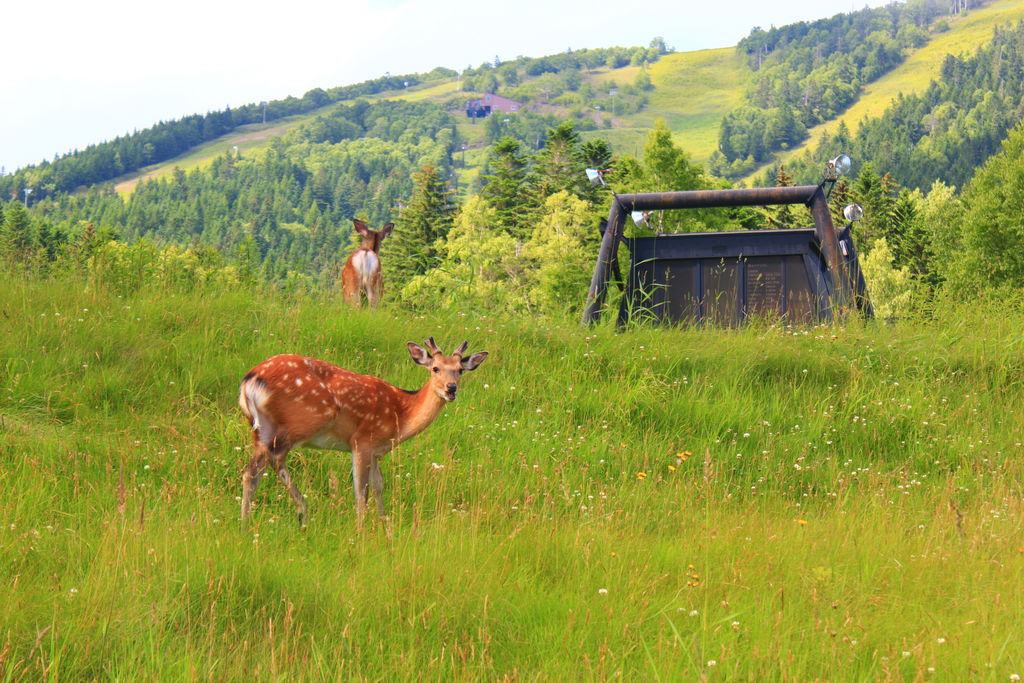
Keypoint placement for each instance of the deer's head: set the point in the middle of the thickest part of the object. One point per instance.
(445, 371)
(372, 238)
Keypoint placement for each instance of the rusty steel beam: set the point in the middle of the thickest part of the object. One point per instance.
(824, 230)
(702, 199)
(605, 258)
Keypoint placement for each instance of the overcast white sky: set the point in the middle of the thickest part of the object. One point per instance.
(77, 73)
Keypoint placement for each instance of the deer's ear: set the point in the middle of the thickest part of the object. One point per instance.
(386, 230)
(419, 354)
(473, 361)
(361, 227)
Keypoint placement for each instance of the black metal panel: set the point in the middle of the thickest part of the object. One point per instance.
(726, 277)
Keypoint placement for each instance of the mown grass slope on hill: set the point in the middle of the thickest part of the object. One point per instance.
(692, 92)
(831, 502)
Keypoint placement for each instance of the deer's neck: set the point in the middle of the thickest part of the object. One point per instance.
(420, 410)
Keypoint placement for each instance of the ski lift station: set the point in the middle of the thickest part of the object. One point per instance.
(801, 276)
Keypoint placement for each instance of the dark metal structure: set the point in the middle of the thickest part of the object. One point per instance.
(723, 277)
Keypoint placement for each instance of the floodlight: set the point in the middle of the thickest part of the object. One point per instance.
(640, 218)
(838, 167)
(853, 212)
(595, 177)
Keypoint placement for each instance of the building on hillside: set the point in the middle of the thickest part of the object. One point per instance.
(483, 107)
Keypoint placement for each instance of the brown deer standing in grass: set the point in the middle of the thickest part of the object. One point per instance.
(362, 268)
(293, 400)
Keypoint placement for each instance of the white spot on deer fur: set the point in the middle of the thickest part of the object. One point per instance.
(298, 382)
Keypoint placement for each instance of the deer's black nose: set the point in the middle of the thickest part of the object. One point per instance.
(452, 388)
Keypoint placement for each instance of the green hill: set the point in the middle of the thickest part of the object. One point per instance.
(966, 34)
(692, 92)
(257, 136)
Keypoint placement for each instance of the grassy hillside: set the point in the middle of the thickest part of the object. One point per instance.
(966, 34)
(245, 138)
(830, 503)
(692, 92)
(258, 136)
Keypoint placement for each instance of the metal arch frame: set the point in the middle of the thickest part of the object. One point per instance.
(814, 197)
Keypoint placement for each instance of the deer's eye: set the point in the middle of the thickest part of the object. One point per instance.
(436, 369)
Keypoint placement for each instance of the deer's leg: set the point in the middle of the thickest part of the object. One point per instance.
(373, 290)
(278, 460)
(349, 287)
(377, 481)
(251, 474)
(361, 462)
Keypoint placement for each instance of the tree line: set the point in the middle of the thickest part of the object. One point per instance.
(286, 209)
(167, 139)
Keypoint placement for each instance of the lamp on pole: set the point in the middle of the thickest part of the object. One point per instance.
(28, 191)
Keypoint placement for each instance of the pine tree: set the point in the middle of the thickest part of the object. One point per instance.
(17, 240)
(668, 167)
(781, 216)
(557, 166)
(249, 257)
(422, 224)
(838, 200)
(505, 185)
(876, 195)
(911, 242)
(596, 154)
(992, 223)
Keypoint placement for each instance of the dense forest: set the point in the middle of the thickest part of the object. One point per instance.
(949, 130)
(291, 203)
(807, 73)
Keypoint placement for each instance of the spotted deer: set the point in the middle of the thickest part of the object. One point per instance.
(292, 401)
(362, 268)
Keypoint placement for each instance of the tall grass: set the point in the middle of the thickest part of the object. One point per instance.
(768, 503)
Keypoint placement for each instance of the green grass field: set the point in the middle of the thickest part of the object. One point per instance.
(838, 503)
